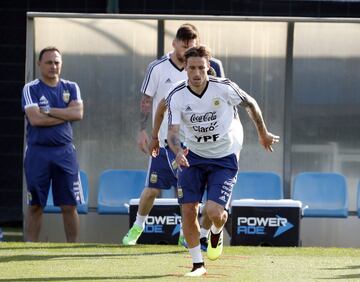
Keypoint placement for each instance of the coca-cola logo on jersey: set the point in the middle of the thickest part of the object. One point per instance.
(209, 116)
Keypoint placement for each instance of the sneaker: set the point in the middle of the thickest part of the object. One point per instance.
(204, 244)
(196, 271)
(182, 241)
(132, 236)
(215, 245)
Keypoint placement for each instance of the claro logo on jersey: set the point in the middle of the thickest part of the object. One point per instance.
(156, 224)
(209, 128)
(260, 225)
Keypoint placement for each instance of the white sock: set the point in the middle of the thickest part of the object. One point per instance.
(216, 230)
(140, 220)
(204, 232)
(196, 254)
(181, 230)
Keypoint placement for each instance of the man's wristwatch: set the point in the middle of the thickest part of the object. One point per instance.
(47, 110)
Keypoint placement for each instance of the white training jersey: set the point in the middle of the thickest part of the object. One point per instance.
(160, 75)
(208, 120)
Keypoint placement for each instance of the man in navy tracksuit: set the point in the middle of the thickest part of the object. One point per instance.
(51, 104)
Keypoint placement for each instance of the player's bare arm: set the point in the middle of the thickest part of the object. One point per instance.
(266, 138)
(145, 111)
(175, 145)
(37, 118)
(154, 145)
(73, 112)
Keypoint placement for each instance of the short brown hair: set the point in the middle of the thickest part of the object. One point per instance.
(187, 32)
(198, 51)
(48, 49)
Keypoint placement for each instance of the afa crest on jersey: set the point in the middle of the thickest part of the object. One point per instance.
(153, 177)
(180, 192)
(174, 164)
(216, 102)
(66, 96)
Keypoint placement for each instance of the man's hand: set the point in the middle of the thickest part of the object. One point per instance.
(36, 117)
(267, 140)
(154, 147)
(45, 110)
(181, 159)
(142, 141)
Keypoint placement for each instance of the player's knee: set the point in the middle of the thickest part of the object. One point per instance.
(150, 193)
(189, 212)
(35, 210)
(217, 215)
(68, 209)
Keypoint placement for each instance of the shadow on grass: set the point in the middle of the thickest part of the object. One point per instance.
(37, 246)
(343, 277)
(54, 246)
(342, 268)
(101, 278)
(41, 257)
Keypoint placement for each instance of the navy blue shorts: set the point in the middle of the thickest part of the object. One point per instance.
(55, 166)
(218, 176)
(162, 170)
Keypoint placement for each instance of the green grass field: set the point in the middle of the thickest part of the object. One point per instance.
(101, 262)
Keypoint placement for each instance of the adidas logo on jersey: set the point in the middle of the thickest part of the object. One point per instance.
(168, 80)
(43, 101)
(188, 109)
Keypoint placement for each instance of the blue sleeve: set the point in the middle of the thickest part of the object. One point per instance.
(217, 66)
(28, 98)
(75, 94)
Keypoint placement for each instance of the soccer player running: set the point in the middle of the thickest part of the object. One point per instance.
(205, 107)
(154, 148)
(160, 77)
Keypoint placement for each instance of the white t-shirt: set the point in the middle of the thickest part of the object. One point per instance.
(160, 76)
(208, 120)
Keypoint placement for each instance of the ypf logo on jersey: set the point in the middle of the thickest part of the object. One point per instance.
(66, 96)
